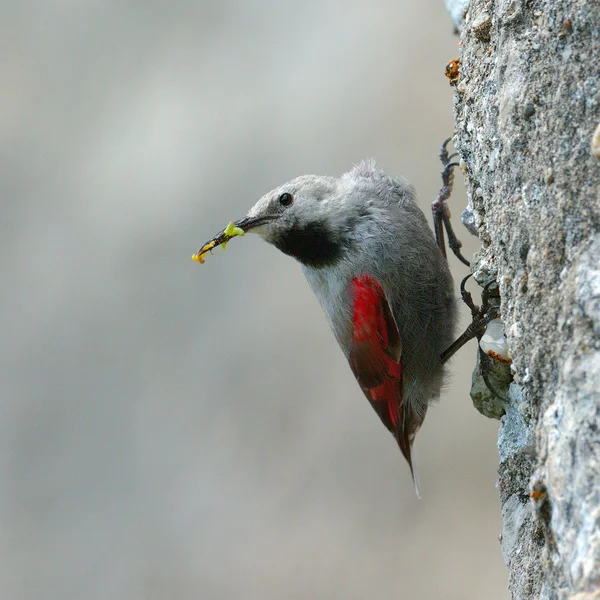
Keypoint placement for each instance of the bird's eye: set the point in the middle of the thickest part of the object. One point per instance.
(286, 199)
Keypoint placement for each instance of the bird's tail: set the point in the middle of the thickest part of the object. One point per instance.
(408, 423)
(414, 471)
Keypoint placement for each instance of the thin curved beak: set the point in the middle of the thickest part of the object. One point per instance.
(248, 223)
(232, 230)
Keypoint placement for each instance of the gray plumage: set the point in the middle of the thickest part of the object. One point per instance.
(384, 233)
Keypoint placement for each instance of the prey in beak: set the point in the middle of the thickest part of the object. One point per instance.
(232, 230)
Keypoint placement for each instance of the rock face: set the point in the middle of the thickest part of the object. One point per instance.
(527, 105)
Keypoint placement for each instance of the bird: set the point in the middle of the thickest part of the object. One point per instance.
(383, 282)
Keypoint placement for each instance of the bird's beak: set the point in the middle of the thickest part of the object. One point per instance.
(232, 230)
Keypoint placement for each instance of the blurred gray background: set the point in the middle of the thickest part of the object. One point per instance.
(170, 430)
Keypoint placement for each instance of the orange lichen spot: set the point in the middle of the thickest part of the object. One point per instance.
(499, 357)
(453, 71)
(537, 495)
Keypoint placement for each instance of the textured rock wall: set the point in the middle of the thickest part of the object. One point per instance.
(527, 104)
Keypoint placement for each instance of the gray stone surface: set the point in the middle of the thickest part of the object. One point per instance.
(468, 218)
(515, 434)
(527, 105)
(485, 401)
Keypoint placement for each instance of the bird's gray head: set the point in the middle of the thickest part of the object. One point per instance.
(319, 220)
(310, 218)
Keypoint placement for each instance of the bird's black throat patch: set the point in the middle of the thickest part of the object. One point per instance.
(313, 244)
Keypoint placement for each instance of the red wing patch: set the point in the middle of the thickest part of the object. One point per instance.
(376, 360)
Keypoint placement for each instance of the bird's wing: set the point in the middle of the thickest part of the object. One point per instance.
(376, 360)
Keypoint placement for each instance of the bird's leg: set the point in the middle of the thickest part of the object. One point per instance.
(475, 330)
(440, 210)
(467, 298)
(481, 317)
